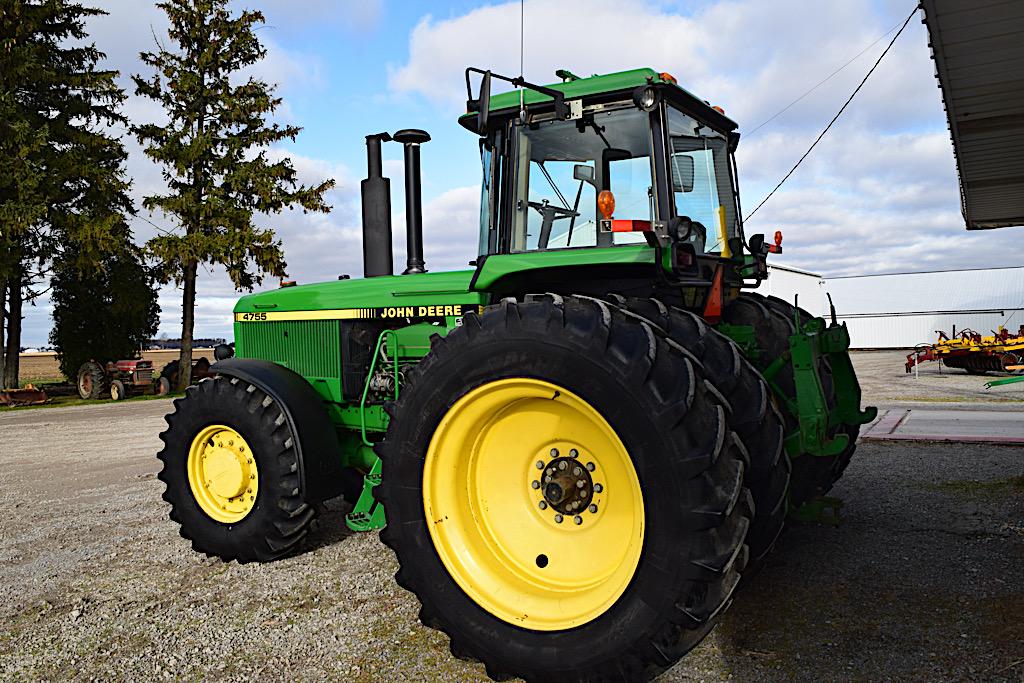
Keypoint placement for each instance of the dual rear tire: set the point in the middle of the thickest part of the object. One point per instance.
(564, 492)
(774, 321)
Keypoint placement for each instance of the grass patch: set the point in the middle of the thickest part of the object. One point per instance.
(981, 489)
(40, 381)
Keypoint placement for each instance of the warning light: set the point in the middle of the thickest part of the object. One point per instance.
(606, 204)
(777, 247)
(668, 78)
(719, 110)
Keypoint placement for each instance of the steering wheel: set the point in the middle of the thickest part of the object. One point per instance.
(545, 206)
(549, 213)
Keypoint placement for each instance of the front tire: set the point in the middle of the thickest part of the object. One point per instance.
(117, 390)
(231, 470)
(620, 593)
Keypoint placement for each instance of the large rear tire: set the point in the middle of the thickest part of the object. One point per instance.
(231, 470)
(529, 582)
(752, 415)
(91, 381)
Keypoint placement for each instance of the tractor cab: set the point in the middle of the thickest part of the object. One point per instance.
(614, 160)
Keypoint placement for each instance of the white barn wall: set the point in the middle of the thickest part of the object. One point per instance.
(786, 282)
(902, 310)
(906, 331)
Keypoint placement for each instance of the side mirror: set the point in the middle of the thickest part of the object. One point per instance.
(584, 172)
(482, 103)
(682, 173)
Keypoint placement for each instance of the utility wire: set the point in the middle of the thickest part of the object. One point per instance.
(838, 114)
(820, 83)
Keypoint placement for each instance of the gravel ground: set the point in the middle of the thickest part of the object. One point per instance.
(924, 580)
(884, 380)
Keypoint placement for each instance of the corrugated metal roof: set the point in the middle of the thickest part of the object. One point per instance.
(978, 48)
(993, 289)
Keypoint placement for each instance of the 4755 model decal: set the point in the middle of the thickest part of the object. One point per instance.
(418, 313)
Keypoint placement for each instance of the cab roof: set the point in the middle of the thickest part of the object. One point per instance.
(600, 84)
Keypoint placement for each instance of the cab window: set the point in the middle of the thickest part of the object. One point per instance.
(561, 166)
(701, 181)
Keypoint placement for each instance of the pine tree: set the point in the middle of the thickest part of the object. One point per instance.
(63, 182)
(106, 313)
(214, 153)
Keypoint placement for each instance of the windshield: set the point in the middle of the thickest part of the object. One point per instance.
(701, 181)
(561, 167)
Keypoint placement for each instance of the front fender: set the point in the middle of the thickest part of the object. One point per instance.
(316, 441)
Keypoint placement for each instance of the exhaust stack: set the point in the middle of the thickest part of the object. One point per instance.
(412, 139)
(376, 195)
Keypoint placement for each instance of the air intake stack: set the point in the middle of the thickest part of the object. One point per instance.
(376, 194)
(412, 139)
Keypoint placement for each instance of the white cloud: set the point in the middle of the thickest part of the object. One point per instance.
(879, 193)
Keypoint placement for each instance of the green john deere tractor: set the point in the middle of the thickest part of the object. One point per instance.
(584, 442)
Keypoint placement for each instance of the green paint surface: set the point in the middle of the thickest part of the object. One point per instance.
(503, 265)
(392, 290)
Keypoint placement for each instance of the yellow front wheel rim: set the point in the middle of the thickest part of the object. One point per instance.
(533, 504)
(222, 474)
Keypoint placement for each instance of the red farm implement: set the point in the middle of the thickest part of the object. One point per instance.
(22, 397)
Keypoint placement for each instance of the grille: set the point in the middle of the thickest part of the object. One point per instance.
(143, 375)
(309, 347)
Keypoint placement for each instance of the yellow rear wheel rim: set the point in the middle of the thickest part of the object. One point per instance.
(222, 474)
(538, 557)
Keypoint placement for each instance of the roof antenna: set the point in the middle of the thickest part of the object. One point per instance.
(522, 39)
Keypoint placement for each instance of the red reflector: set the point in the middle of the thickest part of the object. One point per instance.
(684, 259)
(627, 225)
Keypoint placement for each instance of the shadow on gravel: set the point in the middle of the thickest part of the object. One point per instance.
(330, 527)
(920, 582)
(796, 621)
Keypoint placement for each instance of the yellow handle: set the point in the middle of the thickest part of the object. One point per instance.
(723, 233)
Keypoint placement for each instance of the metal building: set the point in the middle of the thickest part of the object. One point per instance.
(794, 285)
(902, 310)
(978, 48)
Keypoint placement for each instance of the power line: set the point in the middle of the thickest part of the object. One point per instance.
(838, 114)
(166, 232)
(820, 83)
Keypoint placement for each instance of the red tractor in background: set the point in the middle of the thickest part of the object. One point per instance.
(118, 379)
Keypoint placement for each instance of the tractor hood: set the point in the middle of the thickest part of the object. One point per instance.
(359, 298)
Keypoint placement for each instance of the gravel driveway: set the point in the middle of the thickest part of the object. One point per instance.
(923, 580)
